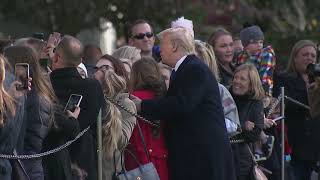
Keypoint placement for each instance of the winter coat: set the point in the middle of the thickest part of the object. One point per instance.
(298, 119)
(154, 140)
(9, 134)
(67, 81)
(39, 114)
(249, 110)
(128, 123)
(58, 165)
(195, 131)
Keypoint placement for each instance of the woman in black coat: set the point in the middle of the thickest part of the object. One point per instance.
(58, 165)
(247, 92)
(298, 120)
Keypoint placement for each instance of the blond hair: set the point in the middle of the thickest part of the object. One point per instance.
(295, 49)
(255, 87)
(205, 52)
(218, 32)
(127, 52)
(112, 85)
(7, 105)
(181, 38)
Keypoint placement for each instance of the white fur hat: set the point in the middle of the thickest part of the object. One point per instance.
(185, 23)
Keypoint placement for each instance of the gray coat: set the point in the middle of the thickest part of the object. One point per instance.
(38, 118)
(8, 138)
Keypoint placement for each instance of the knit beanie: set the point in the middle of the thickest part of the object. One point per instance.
(251, 34)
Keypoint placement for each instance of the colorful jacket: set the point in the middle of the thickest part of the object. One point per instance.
(265, 61)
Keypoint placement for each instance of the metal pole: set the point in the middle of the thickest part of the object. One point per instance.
(99, 148)
(282, 135)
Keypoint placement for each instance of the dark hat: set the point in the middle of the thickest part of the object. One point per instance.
(251, 34)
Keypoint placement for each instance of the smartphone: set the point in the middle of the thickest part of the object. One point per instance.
(278, 118)
(44, 63)
(73, 102)
(22, 75)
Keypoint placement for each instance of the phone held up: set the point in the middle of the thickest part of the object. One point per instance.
(73, 102)
(22, 75)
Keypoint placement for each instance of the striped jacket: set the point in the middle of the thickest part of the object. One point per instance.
(265, 61)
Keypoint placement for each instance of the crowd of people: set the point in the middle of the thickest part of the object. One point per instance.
(209, 106)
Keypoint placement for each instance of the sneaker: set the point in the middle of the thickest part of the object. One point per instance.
(259, 157)
(268, 146)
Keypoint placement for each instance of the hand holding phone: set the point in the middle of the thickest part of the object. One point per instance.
(22, 75)
(73, 102)
(74, 114)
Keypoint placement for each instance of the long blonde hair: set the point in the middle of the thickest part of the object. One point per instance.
(7, 104)
(112, 85)
(295, 49)
(255, 89)
(205, 52)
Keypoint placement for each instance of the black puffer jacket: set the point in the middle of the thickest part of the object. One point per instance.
(38, 119)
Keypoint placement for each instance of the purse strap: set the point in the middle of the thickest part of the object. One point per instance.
(143, 142)
(139, 131)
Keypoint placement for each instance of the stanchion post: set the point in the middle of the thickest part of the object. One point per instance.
(282, 135)
(99, 148)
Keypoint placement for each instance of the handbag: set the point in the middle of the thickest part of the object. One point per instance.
(257, 169)
(142, 172)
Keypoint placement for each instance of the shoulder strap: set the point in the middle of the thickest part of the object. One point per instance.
(138, 126)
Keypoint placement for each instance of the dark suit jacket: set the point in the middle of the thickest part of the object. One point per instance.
(67, 81)
(196, 135)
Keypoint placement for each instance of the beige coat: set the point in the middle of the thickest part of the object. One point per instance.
(128, 124)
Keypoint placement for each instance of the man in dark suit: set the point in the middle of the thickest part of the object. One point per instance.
(66, 81)
(195, 129)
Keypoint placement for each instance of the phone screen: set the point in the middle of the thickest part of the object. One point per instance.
(22, 75)
(73, 102)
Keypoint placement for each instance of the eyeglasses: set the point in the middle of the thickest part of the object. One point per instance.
(142, 35)
(106, 67)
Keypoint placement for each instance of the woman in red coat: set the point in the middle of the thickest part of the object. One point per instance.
(147, 83)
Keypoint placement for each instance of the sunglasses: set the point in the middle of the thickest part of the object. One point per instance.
(142, 35)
